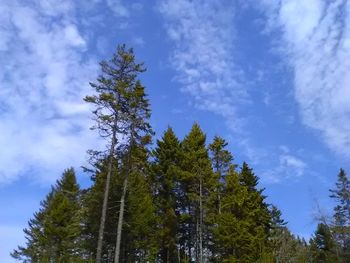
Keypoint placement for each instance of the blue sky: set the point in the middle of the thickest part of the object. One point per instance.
(271, 76)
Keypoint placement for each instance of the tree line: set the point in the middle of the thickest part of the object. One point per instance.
(180, 201)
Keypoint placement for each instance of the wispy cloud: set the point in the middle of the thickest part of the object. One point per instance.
(44, 75)
(315, 39)
(205, 39)
(288, 166)
(203, 35)
(43, 120)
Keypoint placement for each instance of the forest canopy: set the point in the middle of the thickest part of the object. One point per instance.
(179, 200)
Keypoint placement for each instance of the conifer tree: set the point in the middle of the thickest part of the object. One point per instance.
(262, 216)
(117, 104)
(341, 217)
(197, 182)
(138, 134)
(53, 234)
(221, 161)
(236, 233)
(165, 175)
(92, 201)
(243, 224)
(322, 245)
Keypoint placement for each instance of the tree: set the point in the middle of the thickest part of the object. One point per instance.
(221, 160)
(341, 217)
(92, 200)
(117, 92)
(138, 134)
(262, 215)
(53, 234)
(322, 245)
(242, 227)
(197, 183)
(285, 247)
(165, 181)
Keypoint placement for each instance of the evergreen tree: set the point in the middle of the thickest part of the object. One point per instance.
(197, 183)
(262, 216)
(243, 224)
(138, 134)
(92, 206)
(341, 217)
(120, 112)
(165, 175)
(221, 160)
(322, 245)
(53, 234)
(237, 234)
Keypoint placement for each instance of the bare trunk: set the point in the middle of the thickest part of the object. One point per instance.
(122, 201)
(200, 222)
(120, 221)
(105, 201)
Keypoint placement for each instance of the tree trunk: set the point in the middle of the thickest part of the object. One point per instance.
(122, 201)
(120, 220)
(105, 201)
(200, 222)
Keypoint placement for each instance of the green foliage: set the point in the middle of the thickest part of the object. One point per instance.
(341, 217)
(186, 204)
(240, 233)
(197, 182)
(53, 234)
(165, 181)
(323, 246)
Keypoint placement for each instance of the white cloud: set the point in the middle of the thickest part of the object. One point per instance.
(205, 43)
(289, 166)
(203, 36)
(118, 8)
(44, 122)
(316, 42)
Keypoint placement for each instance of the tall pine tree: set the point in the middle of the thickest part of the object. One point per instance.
(197, 182)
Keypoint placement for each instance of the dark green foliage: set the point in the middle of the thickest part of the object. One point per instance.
(241, 232)
(165, 181)
(341, 217)
(92, 206)
(53, 235)
(323, 246)
(197, 183)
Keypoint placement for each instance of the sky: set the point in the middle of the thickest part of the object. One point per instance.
(270, 76)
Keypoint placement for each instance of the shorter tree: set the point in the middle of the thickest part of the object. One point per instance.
(53, 234)
(323, 247)
(341, 217)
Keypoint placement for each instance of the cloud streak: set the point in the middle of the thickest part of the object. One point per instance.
(203, 36)
(45, 71)
(315, 39)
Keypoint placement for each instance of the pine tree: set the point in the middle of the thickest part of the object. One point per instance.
(243, 224)
(197, 182)
(235, 233)
(322, 245)
(262, 216)
(117, 109)
(165, 175)
(341, 217)
(221, 160)
(53, 234)
(137, 136)
(92, 206)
